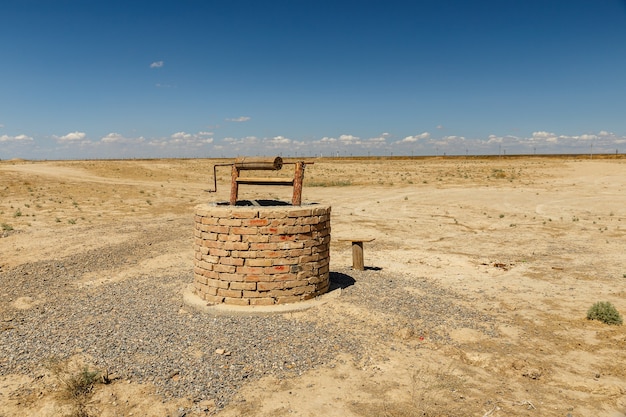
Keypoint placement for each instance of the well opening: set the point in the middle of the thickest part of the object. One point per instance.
(261, 252)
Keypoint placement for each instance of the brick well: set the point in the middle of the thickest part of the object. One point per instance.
(261, 255)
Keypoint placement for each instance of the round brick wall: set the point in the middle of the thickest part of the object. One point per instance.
(261, 255)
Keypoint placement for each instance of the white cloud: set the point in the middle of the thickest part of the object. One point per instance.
(71, 137)
(157, 64)
(326, 139)
(279, 140)
(415, 138)
(239, 119)
(117, 138)
(18, 138)
(543, 135)
(440, 127)
(349, 139)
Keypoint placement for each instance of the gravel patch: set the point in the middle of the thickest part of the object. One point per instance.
(140, 330)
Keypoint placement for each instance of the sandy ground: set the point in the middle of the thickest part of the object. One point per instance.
(532, 242)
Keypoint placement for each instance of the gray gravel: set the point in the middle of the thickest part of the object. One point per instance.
(136, 329)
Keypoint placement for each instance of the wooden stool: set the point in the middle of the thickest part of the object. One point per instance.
(357, 252)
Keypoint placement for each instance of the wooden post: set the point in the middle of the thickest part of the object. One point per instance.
(234, 186)
(357, 256)
(298, 179)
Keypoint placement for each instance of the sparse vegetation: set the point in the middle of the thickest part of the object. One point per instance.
(605, 312)
(6, 227)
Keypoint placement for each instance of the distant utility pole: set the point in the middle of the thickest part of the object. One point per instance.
(591, 152)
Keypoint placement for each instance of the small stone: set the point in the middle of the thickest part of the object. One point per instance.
(220, 351)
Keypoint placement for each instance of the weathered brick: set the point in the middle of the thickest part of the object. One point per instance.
(268, 286)
(232, 261)
(229, 269)
(210, 274)
(264, 246)
(237, 301)
(254, 278)
(300, 212)
(217, 283)
(225, 276)
(245, 214)
(281, 238)
(229, 293)
(235, 245)
(244, 230)
(284, 261)
(250, 286)
(258, 262)
(276, 269)
(213, 299)
(288, 299)
(255, 222)
(250, 270)
(229, 237)
(218, 229)
(209, 236)
(253, 294)
(266, 301)
(218, 252)
(282, 222)
(210, 259)
(200, 279)
(273, 214)
(210, 220)
(229, 222)
(255, 238)
(247, 254)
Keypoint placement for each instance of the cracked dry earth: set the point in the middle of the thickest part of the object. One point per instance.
(473, 303)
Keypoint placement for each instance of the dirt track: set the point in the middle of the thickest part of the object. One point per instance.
(528, 243)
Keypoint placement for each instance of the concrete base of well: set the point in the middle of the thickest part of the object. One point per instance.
(191, 299)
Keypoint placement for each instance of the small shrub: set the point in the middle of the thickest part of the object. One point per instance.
(605, 312)
(6, 227)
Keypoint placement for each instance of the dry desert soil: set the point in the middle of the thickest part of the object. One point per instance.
(473, 302)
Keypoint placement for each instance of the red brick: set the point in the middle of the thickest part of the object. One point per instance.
(255, 222)
(209, 236)
(282, 238)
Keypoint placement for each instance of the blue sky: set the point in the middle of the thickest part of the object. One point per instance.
(136, 79)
